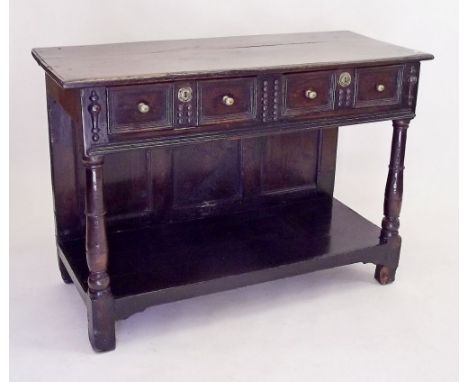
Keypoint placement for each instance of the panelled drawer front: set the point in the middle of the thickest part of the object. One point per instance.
(192, 104)
(379, 86)
(139, 108)
(231, 100)
(305, 93)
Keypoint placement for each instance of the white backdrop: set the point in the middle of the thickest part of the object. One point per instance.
(336, 325)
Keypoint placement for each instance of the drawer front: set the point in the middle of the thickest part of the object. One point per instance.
(139, 108)
(379, 86)
(306, 93)
(230, 100)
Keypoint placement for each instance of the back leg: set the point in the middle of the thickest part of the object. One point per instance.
(63, 272)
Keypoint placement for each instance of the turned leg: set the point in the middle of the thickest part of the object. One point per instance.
(63, 271)
(385, 273)
(101, 322)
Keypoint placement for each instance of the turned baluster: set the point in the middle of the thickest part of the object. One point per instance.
(101, 308)
(393, 199)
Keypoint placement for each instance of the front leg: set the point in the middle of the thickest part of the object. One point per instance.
(385, 273)
(101, 321)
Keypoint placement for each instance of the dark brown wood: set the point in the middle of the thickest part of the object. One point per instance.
(63, 272)
(326, 163)
(126, 190)
(94, 117)
(368, 79)
(64, 177)
(394, 186)
(289, 162)
(185, 101)
(410, 85)
(212, 110)
(262, 105)
(68, 99)
(205, 195)
(385, 273)
(100, 309)
(296, 86)
(124, 113)
(269, 97)
(162, 263)
(206, 175)
(143, 62)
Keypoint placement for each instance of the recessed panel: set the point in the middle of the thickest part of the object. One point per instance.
(206, 173)
(126, 183)
(137, 108)
(306, 93)
(379, 86)
(230, 100)
(289, 162)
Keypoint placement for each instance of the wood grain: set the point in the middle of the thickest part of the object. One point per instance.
(139, 62)
(206, 195)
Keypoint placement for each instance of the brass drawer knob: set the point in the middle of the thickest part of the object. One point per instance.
(143, 107)
(228, 100)
(380, 88)
(311, 94)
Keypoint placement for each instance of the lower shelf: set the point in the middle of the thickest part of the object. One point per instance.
(164, 263)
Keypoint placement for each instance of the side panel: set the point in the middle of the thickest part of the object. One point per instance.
(64, 128)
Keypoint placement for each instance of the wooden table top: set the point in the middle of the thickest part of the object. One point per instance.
(140, 62)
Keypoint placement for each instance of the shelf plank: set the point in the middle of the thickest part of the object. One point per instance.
(169, 262)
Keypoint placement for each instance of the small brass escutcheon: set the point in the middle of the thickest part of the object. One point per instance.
(185, 94)
(344, 79)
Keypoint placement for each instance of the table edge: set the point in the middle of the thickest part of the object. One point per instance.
(219, 73)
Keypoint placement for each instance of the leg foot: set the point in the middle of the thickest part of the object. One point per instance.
(384, 274)
(101, 322)
(63, 272)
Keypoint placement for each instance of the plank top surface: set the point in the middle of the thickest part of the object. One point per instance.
(139, 62)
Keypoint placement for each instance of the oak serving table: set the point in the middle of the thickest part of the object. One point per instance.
(181, 168)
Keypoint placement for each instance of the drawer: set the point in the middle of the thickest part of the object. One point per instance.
(139, 108)
(306, 93)
(379, 86)
(231, 100)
